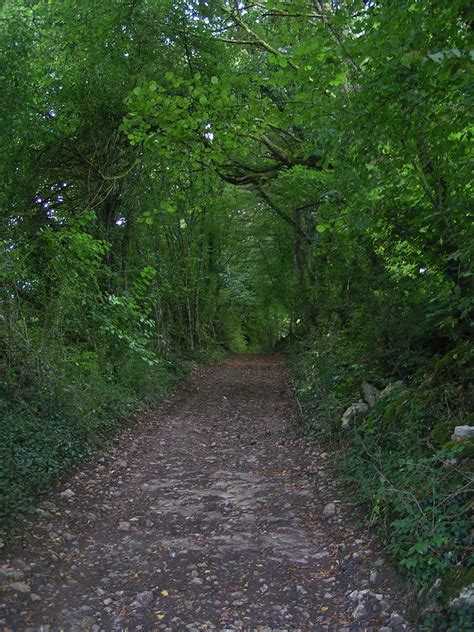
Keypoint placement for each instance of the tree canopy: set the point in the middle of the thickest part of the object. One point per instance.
(186, 175)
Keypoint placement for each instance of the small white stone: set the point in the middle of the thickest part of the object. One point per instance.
(354, 596)
(463, 432)
(20, 587)
(197, 580)
(396, 619)
(329, 509)
(360, 611)
(123, 526)
(144, 598)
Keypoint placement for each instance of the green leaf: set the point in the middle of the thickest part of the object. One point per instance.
(437, 57)
(339, 78)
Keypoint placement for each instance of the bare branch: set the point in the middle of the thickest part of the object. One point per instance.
(258, 40)
(289, 220)
(275, 150)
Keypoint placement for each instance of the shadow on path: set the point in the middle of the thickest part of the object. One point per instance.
(208, 516)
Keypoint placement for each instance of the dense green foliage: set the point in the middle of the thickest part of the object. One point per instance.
(184, 176)
(410, 480)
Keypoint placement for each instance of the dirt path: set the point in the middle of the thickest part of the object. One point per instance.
(208, 517)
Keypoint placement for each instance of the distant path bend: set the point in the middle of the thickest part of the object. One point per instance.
(205, 516)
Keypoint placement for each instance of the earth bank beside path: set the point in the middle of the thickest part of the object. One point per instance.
(207, 515)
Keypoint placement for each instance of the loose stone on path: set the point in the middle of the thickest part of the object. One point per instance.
(208, 514)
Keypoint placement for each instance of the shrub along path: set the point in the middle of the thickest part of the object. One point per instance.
(210, 516)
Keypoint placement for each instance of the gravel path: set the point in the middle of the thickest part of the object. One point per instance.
(208, 515)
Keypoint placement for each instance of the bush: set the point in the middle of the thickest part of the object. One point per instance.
(413, 481)
(64, 415)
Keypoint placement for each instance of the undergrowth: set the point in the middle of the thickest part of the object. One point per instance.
(61, 416)
(412, 481)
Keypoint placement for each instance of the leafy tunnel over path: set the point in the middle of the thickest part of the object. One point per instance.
(182, 179)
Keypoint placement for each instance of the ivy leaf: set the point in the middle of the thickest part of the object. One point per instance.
(437, 57)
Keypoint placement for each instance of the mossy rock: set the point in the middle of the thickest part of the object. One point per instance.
(455, 580)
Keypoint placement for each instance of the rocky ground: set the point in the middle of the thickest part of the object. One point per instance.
(207, 515)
